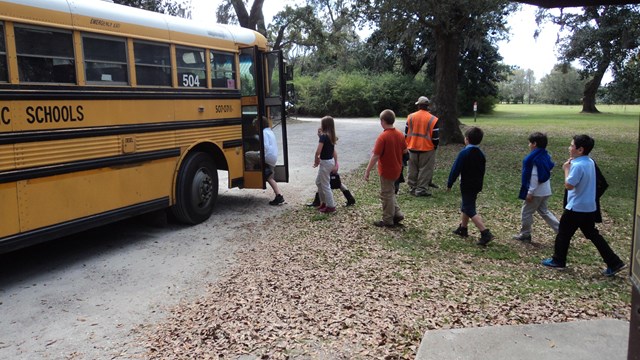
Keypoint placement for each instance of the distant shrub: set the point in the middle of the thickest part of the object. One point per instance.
(357, 94)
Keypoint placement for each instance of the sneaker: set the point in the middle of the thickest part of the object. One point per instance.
(434, 186)
(279, 200)
(522, 237)
(327, 210)
(321, 207)
(550, 263)
(461, 231)
(485, 237)
(383, 224)
(610, 272)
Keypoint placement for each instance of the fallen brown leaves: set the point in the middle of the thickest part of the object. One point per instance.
(312, 286)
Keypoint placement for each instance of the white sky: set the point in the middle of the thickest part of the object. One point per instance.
(521, 49)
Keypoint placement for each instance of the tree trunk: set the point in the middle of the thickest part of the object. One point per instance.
(253, 20)
(447, 51)
(257, 17)
(591, 89)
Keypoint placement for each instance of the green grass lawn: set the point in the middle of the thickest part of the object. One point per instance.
(430, 220)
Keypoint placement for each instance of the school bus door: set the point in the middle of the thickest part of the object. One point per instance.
(263, 90)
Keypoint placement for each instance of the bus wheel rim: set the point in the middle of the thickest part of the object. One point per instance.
(202, 189)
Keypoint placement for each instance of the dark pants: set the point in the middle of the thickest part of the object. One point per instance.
(572, 221)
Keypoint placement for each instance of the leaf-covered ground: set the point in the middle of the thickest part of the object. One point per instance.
(337, 287)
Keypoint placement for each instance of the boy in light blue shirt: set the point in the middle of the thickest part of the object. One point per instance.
(580, 211)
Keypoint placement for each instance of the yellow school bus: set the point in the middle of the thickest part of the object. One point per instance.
(108, 112)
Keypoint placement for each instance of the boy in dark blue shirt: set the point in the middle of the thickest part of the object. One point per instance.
(470, 166)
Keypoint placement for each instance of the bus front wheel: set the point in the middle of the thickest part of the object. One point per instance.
(196, 189)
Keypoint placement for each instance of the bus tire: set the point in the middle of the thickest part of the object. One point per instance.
(196, 189)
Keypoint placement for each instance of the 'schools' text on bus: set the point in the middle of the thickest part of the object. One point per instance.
(108, 112)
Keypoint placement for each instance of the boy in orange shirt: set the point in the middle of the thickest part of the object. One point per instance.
(387, 153)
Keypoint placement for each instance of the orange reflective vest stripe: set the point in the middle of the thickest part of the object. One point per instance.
(420, 126)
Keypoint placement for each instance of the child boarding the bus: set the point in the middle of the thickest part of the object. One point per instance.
(326, 164)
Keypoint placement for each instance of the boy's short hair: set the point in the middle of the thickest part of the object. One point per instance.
(585, 142)
(540, 139)
(388, 116)
(474, 135)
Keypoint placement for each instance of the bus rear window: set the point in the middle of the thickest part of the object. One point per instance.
(45, 55)
(153, 64)
(3, 56)
(105, 60)
(192, 70)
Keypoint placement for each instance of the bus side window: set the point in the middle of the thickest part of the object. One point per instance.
(105, 60)
(247, 76)
(3, 56)
(153, 64)
(44, 55)
(191, 67)
(223, 71)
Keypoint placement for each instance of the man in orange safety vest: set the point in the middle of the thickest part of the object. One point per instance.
(422, 136)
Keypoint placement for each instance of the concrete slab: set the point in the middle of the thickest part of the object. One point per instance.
(578, 340)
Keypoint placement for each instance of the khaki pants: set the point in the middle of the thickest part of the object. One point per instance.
(390, 208)
(420, 171)
(539, 204)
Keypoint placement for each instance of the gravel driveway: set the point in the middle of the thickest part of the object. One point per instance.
(80, 297)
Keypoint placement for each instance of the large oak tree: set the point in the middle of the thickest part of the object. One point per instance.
(439, 29)
(600, 38)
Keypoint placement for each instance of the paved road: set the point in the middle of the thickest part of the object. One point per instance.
(80, 297)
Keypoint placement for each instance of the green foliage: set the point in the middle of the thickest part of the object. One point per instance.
(358, 94)
(479, 75)
(625, 89)
(563, 85)
(314, 93)
(349, 96)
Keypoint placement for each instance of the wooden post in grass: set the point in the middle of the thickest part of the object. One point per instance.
(475, 110)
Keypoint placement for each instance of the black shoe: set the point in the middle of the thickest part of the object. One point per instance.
(461, 231)
(315, 202)
(485, 237)
(383, 224)
(397, 220)
(434, 186)
(350, 199)
(422, 194)
(279, 200)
